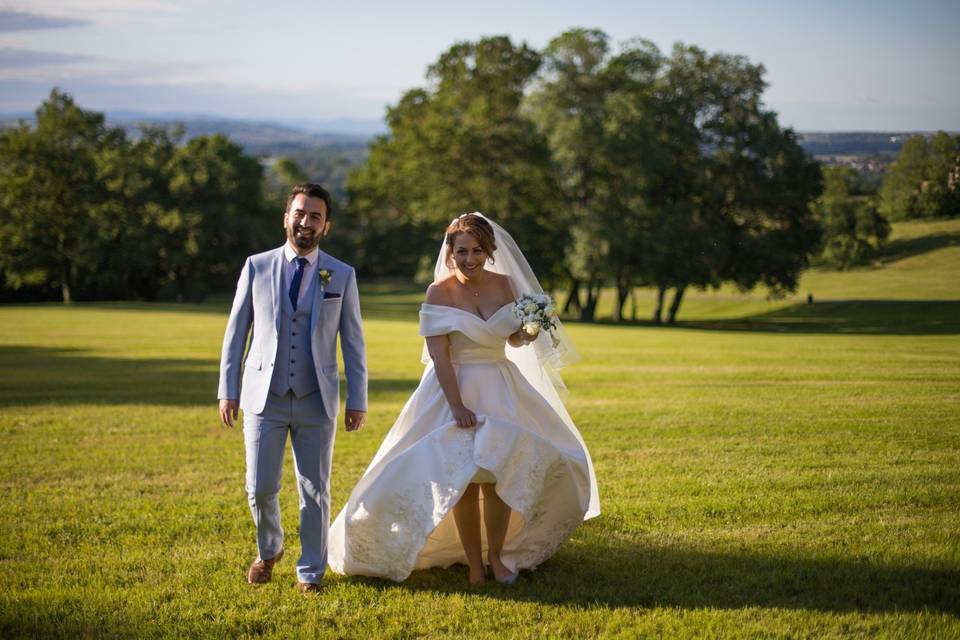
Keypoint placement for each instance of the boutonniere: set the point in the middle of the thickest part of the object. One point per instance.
(325, 275)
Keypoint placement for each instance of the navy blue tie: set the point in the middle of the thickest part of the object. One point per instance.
(295, 283)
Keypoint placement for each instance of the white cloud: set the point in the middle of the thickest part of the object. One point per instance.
(101, 12)
(12, 20)
(13, 58)
(86, 7)
(32, 65)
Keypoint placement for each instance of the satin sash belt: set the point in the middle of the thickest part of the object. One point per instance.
(476, 355)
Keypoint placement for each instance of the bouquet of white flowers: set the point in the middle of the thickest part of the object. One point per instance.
(536, 311)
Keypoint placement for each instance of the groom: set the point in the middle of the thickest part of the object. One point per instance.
(296, 298)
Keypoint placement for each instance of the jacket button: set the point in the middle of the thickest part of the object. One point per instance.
(291, 374)
(293, 348)
(294, 333)
(293, 362)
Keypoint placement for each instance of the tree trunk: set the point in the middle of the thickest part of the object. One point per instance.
(573, 298)
(180, 282)
(675, 305)
(65, 281)
(623, 291)
(633, 304)
(589, 310)
(658, 310)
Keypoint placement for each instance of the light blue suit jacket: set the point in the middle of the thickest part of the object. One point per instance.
(336, 308)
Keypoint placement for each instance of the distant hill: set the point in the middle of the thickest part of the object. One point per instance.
(911, 286)
(273, 138)
(869, 152)
(257, 138)
(260, 138)
(854, 143)
(328, 150)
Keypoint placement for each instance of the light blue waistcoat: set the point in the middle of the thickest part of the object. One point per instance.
(294, 368)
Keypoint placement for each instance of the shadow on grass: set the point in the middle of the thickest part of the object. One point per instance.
(377, 302)
(623, 576)
(909, 247)
(375, 305)
(47, 375)
(599, 576)
(874, 317)
(218, 306)
(375, 308)
(869, 317)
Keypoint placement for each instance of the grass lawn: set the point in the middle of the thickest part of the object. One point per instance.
(766, 468)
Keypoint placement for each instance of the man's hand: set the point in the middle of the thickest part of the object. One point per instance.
(354, 419)
(228, 411)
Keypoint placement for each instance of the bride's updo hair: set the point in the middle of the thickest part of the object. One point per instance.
(476, 226)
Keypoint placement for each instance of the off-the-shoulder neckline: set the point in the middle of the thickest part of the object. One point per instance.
(469, 313)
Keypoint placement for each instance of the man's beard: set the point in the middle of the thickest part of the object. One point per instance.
(303, 242)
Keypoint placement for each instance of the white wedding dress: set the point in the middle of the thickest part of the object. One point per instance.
(399, 516)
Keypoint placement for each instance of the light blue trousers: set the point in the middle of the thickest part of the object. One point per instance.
(265, 437)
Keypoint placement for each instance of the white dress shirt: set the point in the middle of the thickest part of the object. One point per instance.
(290, 268)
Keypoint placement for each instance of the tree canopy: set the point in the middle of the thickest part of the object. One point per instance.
(460, 144)
(924, 180)
(97, 215)
(610, 165)
(853, 228)
(645, 169)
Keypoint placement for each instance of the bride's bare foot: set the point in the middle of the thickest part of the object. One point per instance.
(477, 575)
(500, 571)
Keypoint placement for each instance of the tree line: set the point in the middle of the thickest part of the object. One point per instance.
(613, 167)
(922, 182)
(619, 167)
(92, 213)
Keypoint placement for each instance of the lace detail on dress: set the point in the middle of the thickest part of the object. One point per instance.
(384, 539)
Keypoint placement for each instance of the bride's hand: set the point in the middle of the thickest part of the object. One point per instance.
(520, 338)
(465, 418)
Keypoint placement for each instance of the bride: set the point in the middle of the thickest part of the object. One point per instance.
(484, 432)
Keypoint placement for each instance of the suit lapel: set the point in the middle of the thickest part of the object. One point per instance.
(318, 291)
(277, 279)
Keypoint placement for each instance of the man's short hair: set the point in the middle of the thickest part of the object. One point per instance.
(311, 190)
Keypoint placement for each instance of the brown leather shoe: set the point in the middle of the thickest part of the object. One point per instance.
(307, 588)
(262, 570)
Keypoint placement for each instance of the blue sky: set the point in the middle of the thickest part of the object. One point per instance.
(844, 65)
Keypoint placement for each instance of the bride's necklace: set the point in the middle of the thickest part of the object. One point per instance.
(474, 291)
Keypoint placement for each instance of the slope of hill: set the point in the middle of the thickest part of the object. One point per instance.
(914, 280)
(257, 138)
(920, 262)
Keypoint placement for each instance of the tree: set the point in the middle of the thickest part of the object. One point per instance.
(216, 215)
(673, 172)
(52, 199)
(192, 212)
(458, 145)
(852, 226)
(944, 175)
(139, 180)
(280, 176)
(567, 105)
(98, 215)
(732, 198)
(902, 189)
(923, 181)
